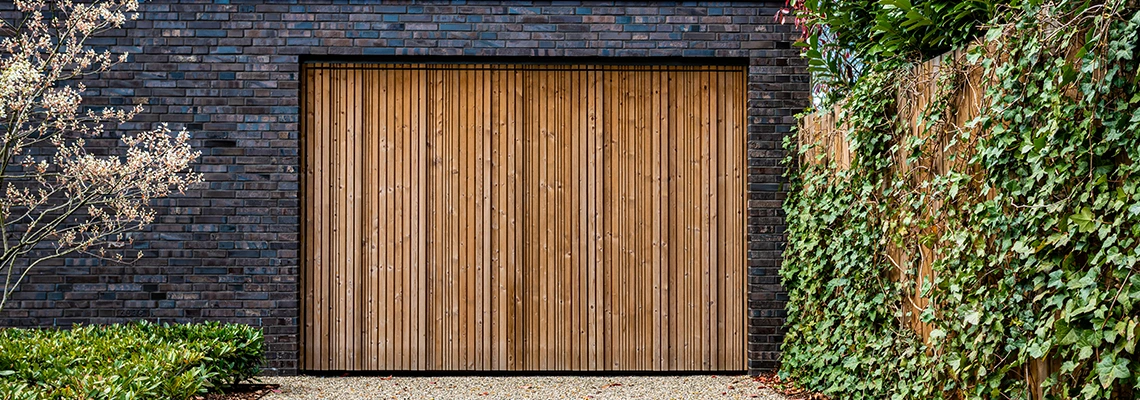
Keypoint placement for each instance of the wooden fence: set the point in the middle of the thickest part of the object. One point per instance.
(521, 217)
(940, 156)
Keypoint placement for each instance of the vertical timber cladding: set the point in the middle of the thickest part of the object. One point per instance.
(521, 217)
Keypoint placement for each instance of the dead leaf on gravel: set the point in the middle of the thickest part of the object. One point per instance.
(786, 387)
(242, 392)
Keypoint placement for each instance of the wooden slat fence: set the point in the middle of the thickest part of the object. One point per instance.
(940, 156)
(826, 129)
(523, 217)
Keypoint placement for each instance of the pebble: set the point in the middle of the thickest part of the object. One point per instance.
(520, 387)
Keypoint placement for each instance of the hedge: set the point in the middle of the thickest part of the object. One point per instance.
(139, 360)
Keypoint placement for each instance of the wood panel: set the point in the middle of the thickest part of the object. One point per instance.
(520, 217)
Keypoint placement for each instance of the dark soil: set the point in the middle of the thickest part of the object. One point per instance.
(243, 391)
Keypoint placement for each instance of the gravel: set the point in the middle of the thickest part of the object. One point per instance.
(521, 387)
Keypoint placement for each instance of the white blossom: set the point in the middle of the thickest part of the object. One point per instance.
(59, 199)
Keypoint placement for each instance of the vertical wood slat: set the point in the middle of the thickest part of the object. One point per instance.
(383, 227)
(605, 258)
(435, 253)
(497, 228)
(596, 352)
(523, 218)
(365, 299)
(352, 192)
(338, 240)
(657, 223)
(701, 217)
(396, 202)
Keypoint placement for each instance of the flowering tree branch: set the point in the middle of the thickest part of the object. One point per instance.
(56, 198)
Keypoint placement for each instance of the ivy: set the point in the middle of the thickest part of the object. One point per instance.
(1032, 229)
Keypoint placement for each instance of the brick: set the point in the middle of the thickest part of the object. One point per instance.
(228, 250)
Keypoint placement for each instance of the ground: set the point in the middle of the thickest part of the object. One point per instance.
(521, 387)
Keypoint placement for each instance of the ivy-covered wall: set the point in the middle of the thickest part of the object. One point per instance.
(1025, 218)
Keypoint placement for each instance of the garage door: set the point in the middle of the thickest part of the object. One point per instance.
(522, 217)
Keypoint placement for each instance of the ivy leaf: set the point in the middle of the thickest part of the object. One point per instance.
(1021, 248)
(937, 335)
(972, 317)
(1037, 350)
(1130, 337)
(1059, 239)
(1087, 341)
(993, 34)
(1084, 352)
(1085, 220)
(955, 365)
(1111, 368)
(1089, 390)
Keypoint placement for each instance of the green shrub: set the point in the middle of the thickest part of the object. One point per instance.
(843, 40)
(134, 361)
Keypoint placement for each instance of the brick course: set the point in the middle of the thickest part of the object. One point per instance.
(228, 73)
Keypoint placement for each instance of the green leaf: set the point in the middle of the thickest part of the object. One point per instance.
(937, 335)
(1130, 336)
(1110, 368)
(1085, 220)
(1084, 352)
(993, 34)
(1037, 350)
(972, 317)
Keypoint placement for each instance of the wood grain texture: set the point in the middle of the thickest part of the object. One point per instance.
(522, 217)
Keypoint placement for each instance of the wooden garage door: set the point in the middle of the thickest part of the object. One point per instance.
(520, 217)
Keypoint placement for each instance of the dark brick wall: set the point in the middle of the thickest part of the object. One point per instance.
(228, 72)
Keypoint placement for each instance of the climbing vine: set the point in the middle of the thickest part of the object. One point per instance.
(1029, 223)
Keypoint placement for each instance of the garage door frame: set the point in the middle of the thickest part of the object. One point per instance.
(346, 283)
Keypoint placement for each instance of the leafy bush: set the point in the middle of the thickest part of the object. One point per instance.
(1033, 231)
(843, 37)
(133, 361)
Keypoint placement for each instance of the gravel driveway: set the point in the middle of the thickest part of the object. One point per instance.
(521, 387)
